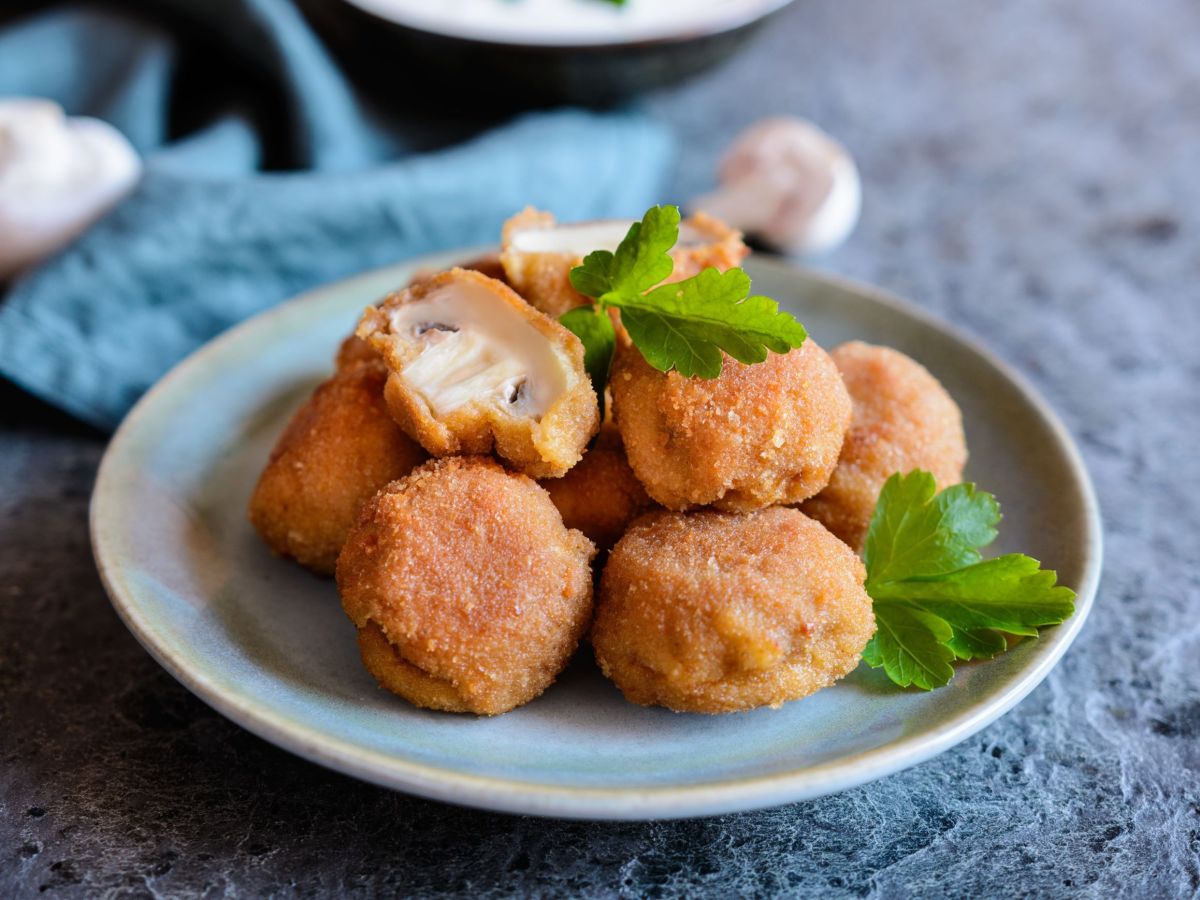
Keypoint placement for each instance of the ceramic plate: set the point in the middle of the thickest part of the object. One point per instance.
(267, 645)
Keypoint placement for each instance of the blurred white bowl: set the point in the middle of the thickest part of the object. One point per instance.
(571, 23)
(580, 51)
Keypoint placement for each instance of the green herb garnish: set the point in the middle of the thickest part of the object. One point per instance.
(936, 598)
(682, 326)
(599, 340)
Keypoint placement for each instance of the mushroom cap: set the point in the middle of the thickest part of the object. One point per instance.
(57, 176)
(790, 184)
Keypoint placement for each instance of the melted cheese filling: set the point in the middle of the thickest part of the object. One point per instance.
(477, 348)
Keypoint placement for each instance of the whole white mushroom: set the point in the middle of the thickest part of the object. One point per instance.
(789, 184)
(57, 176)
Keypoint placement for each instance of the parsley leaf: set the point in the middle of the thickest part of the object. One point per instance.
(915, 533)
(935, 598)
(595, 330)
(911, 646)
(978, 644)
(642, 260)
(1009, 593)
(684, 325)
(687, 324)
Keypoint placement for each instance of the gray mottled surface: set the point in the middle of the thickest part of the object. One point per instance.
(1032, 172)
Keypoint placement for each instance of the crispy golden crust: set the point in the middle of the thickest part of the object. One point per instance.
(468, 591)
(339, 448)
(544, 279)
(754, 436)
(600, 496)
(353, 351)
(721, 247)
(541, 447)
(903, 420)
(712, 612)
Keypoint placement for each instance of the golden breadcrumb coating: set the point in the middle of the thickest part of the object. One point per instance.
(754, 436)
(339, 448)
(705, 242)
(544, 278)
(469, 593)
(714, 612)
(600, 496)
(903, 420)
(353, 351)
(474, 368)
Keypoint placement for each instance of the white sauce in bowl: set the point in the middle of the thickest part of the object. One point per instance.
(568, 23)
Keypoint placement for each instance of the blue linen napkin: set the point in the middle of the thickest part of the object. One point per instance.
(208, 237)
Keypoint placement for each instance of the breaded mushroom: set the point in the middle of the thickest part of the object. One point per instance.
(755, 436)
(469, 593)
(538, 253)
(711, 612)
(903, 420)
(339, 448)
(353, 351)
(474, 368)
(600, 496)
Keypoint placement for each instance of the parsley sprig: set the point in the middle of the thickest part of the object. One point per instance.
(936, 599)
(684, 325)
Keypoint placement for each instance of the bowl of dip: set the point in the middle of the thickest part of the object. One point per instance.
(583, 51)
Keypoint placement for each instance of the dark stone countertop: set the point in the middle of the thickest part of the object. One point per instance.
(1031, 171)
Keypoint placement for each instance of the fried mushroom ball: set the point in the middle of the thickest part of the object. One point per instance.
(474, 368)
(469, 593)
(754, 436)
(353, 351)
(903, 420)
(538, 253)
(711, 612)
(339, 448)
(600, 496)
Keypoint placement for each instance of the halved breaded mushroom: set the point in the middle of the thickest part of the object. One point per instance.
(469, 593)
(538, 253)
(473, 368)
(354, 349)
(712, 612)
(903, 420)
